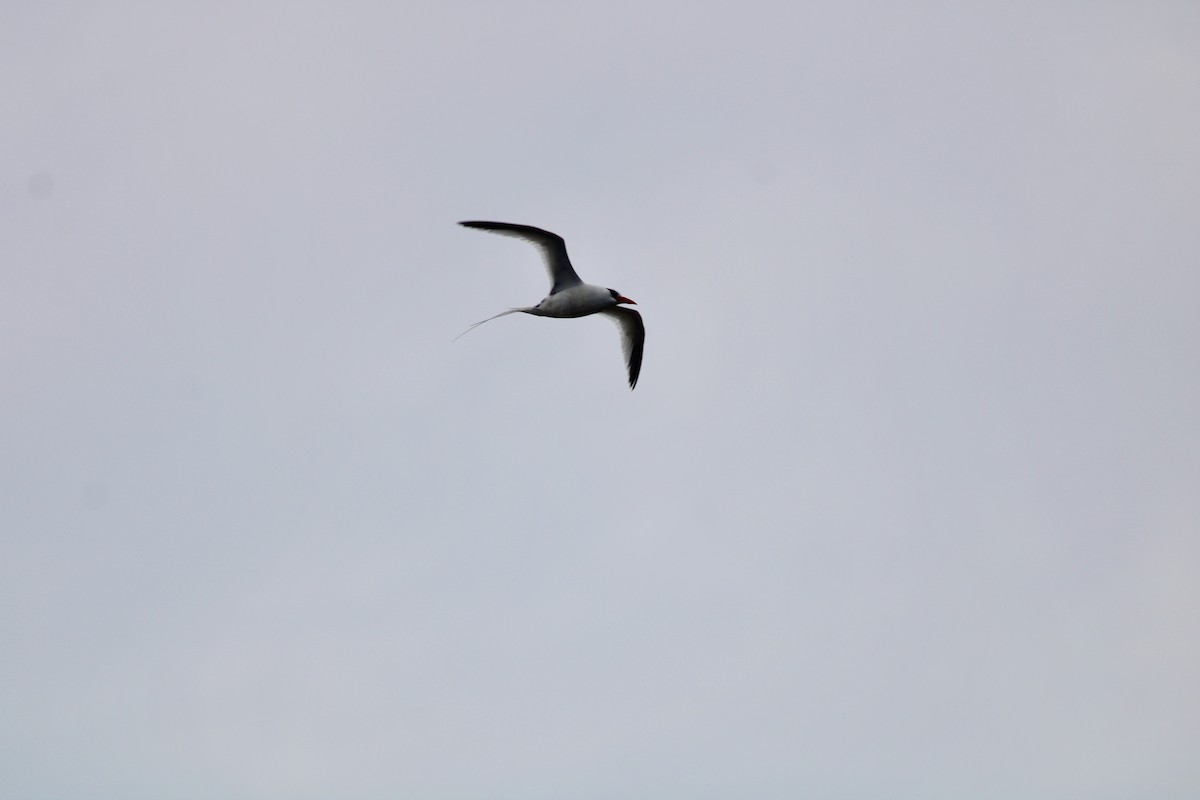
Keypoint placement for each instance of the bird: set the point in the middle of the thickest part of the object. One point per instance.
(569, 296)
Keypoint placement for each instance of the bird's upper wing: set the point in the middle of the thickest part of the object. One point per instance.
(633, 338)
(554, 250)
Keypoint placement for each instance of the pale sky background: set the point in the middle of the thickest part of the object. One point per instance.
(905, 505)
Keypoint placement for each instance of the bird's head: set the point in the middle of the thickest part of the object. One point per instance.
(620, 298)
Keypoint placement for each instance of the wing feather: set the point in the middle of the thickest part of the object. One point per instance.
(633, 338)
(554, 250)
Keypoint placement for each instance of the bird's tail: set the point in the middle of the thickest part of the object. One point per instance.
(489, 319)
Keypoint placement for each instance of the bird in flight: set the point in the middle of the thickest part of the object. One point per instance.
(571, 297)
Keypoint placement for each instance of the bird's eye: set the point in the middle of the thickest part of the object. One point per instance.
(614, 294)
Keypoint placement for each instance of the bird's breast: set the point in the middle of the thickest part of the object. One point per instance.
(578, 301)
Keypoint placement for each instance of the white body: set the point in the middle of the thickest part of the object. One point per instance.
(578, 301)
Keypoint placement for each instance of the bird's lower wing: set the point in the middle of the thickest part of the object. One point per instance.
(633, 338)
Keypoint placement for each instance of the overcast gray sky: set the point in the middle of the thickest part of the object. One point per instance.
(905, 505)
